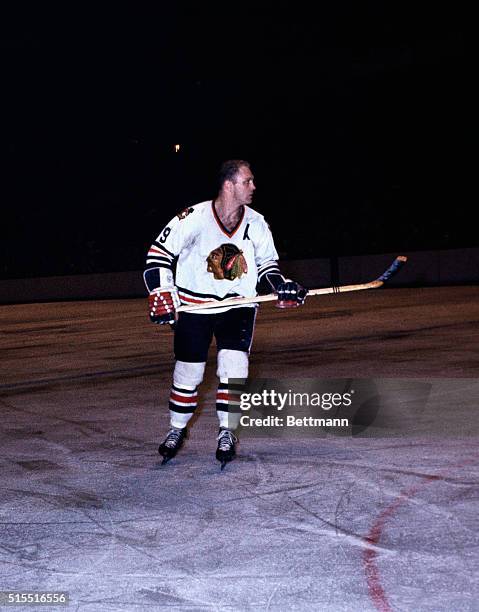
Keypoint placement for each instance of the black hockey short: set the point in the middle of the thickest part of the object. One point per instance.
(232, 329)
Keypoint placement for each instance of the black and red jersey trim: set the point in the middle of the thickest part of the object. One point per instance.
(165, 250)
(192, 297)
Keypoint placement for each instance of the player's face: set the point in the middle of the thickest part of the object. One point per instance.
(244, 186)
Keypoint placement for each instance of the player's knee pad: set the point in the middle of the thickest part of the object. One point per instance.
(232, 364)
(188, 374)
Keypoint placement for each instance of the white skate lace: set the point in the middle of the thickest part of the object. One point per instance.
(226, 440)
(173, 437)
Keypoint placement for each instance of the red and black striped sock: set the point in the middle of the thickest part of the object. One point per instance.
(183, 401)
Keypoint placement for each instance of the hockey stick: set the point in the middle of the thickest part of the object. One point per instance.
(379, 282)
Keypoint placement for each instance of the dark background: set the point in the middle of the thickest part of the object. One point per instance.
(356, 117)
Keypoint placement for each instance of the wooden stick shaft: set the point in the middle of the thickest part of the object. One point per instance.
(393, 269)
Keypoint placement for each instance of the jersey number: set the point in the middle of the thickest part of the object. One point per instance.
(165, 234)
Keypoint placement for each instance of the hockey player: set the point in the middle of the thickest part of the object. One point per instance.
(222, 248)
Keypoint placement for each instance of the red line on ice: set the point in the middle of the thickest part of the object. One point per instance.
(373, 577)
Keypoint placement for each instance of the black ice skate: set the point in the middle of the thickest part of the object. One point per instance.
(226, 450)
(172, 444)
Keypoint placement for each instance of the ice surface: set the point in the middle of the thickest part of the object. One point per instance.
(336, 524)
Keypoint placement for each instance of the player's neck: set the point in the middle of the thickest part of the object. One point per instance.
(228, 211)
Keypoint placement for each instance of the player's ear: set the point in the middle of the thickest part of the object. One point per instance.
(229, 185)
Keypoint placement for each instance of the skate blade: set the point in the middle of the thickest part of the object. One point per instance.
(165, 460)
(223, 465)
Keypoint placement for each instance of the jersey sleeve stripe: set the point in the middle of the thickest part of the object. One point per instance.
(267, 266)
(271, 270)
(157, 253)
(163, 260)
(152, 263)
(157, 245)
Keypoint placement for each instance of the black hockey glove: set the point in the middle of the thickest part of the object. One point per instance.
(290, 295)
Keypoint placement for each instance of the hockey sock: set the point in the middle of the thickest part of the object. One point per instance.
(227, 405)
(183, 401)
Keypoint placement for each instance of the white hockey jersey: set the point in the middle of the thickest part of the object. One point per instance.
(195, 238)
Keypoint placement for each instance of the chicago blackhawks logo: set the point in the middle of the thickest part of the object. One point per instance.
(184, 213)
(227, 262)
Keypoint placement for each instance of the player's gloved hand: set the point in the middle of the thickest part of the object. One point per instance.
(290, 295)
(162, 304)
